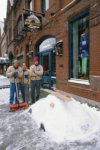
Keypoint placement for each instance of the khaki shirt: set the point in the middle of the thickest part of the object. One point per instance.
(26, 77)
(38, 72)
(9, 74)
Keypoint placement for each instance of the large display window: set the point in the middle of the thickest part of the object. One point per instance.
(79, 47)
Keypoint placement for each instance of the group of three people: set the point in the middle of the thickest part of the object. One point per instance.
(23, 78)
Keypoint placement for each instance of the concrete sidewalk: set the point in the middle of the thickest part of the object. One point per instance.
(4, 83)
(90, 102)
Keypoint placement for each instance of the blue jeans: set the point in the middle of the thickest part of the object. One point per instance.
(12, 91)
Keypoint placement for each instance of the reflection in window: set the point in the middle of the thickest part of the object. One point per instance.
(46, 65)
(80, 48)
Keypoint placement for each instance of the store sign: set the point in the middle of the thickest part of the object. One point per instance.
(47, 44)
(32, 21)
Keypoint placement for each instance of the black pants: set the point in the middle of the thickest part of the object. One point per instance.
(25, 92)
(35, 84)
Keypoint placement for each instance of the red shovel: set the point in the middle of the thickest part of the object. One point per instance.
(18, 106)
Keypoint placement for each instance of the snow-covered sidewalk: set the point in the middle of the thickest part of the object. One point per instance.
(4, 81)
(19, 130)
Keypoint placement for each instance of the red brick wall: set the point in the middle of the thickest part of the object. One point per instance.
(58, 26)
(95, 50)
(66, 2)
(18, 10)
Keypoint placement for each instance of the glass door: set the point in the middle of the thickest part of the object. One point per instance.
(46, 79)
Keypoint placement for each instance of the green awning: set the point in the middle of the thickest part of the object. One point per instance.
(4, 60)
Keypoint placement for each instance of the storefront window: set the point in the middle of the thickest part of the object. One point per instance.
(79, 48)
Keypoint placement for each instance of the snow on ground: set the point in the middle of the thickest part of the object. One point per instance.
(1, 76)
(4, 81)
(65, 120)
(4, 96)
(20, 130)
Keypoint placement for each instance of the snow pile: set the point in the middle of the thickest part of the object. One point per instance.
(4, 96)
(4, 81)
(65, 120)
(2, 77)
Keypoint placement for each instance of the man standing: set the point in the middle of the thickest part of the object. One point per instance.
(25, 81)
(36, 72)
(14, 72)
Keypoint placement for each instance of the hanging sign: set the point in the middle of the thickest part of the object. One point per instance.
(32, 21)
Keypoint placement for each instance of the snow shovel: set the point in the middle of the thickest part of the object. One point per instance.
(18, 106)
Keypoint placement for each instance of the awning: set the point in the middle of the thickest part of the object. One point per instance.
(4, 60)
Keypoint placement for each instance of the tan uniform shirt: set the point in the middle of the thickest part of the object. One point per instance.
(9, 74)
(38, 72)
(26, 77)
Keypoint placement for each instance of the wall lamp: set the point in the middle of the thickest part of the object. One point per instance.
(58, 48)
(52, 13)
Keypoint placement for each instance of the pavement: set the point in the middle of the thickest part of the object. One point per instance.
(19, 131)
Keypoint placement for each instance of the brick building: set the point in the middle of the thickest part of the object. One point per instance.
(68, 43)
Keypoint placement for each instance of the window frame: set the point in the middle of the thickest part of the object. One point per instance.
(29, 4)
(70, 52)
(43, 6)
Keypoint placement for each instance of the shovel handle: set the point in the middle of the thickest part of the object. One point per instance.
(16, 90)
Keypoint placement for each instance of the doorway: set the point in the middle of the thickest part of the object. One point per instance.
(44, 49)
(48, 61)
(46, 68)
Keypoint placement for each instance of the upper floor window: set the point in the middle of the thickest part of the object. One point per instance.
(9, 35)
(19, 24)
(45, 5)
(30, 4)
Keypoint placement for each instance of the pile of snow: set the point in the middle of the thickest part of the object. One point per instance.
(66, 120)
(4, 96)
(2, 77)
(4, 81)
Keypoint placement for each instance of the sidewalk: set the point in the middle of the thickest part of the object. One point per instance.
(77, 98)
(4, 82)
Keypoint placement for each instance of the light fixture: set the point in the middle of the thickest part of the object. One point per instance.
(58, 48)
(52, 13)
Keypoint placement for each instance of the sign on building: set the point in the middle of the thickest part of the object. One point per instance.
(32, 21)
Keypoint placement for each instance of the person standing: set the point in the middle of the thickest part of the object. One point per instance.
(36, 72)
(14, 72)
(25, 82)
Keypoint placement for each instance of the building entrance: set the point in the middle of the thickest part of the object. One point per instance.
(48, 61)
(47, 70)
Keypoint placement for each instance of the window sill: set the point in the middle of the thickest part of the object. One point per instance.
(86, 82)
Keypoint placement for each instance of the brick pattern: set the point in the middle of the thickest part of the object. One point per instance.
(58, 25)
